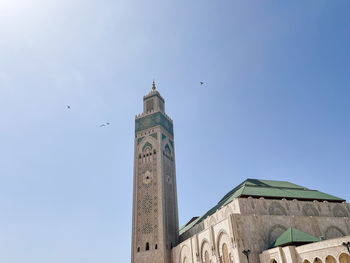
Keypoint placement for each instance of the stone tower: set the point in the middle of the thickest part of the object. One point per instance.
(155, 218)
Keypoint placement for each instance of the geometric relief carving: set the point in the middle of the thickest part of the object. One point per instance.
(154, 135)
(139, 140)
(319, 208)
(167, 152)
(171, 143)
(252, 204)
(333, 232)
(147, 228)
(339, 211)
(310, 210)
(264, 203)
(276, 209)
(147, 204)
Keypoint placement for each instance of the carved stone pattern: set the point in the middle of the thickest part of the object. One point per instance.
(277, 209)
(265, 205)
(147, 228)
(146, 217)
(333, 232)
(147, 204)
(310, 210)
(339, 211)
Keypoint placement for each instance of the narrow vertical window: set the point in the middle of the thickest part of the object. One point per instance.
(147, 246)
(156, 246)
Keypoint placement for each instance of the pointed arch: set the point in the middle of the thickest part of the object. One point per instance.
(344, 258)
(167, 148)
(223, 246)
(147, 144)
(185, 254)
(205, 248)
(330, 259)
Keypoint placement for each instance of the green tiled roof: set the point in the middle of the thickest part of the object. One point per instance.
(267, 189)
(294, 236)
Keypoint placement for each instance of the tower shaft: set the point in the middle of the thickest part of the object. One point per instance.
(155, 215)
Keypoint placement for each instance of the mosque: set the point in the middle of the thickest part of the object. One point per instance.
(257, 221)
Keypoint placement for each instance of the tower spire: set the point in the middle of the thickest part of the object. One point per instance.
(153, 85)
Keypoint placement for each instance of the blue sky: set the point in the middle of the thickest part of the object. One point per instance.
(275, 105)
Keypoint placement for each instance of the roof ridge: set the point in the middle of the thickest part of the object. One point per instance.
(283, 187)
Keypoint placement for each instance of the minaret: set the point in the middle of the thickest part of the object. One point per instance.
(155, 219)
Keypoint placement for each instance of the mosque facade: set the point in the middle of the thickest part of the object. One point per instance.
(257, 221)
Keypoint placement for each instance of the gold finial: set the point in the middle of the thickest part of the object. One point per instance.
(153, 85)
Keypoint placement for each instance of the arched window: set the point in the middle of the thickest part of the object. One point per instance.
(206, 257)
(147, 246)
(317, 260)
(344, 258)
(225, 256)
(138, 249)
(148, 153)
(330, 259)
(273, 261)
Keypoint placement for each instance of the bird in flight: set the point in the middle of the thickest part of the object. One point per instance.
(68, 107)
(201, 83)
(104, 124)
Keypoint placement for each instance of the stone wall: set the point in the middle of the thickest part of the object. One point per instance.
(254, 224)
(331, 251)
(294, 207)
